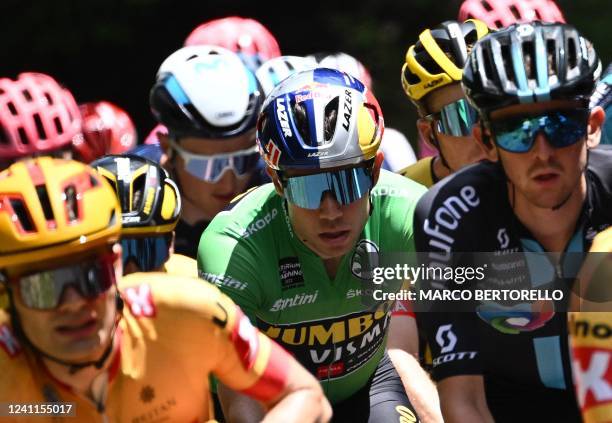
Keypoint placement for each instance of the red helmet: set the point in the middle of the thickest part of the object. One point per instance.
(152, 138)
(107, 129)
(502, 13)
(37, 116)
(245, 36)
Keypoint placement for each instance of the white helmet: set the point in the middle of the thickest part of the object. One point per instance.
(206, 91)
(273, 71)
(345, 63)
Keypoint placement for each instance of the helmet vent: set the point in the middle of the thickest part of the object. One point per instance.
(138, 187)
(22, 214)
(538, 15)
(58, 125)
(330, 118)
(488, 66)
(529, 59)
(23, 136)
(12, 108)
(301, 121)
(572, 57)
(40, 129)
(550, 53)
(486, 5)
(49, 99)
(515, 12)
(72, 209)
(27, 95)
(3, 138)
(193, 56)
(43, 197)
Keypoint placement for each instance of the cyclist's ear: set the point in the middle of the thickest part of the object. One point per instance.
(118, 263)
(378, 160)
(274, 176)
(596, 121)
(4, 298)
(482, 136)
(426, 132)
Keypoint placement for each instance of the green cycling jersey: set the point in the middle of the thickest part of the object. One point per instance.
(332, 326)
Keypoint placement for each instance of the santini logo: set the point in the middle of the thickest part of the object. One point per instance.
(297, 300)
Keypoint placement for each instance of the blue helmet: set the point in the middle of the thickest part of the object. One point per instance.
(319, 119)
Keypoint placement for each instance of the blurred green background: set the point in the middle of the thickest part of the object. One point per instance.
(111, 49)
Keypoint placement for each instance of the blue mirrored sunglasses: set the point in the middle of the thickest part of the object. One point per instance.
(562, 129)
(346, 185)
(147, 253)
(211, 168)
(455, 119)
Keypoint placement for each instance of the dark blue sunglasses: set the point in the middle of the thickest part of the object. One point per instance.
(148, 253)
(562, 129)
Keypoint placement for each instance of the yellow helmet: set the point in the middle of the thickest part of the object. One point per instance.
(52, 208)
(437, 59)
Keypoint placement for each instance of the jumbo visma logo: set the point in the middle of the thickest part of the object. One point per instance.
(332, 347)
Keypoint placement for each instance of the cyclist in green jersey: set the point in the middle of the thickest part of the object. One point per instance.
(295, 254)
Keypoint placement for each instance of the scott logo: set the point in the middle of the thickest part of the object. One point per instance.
(502, 237)
(281, 113)
(447, 343)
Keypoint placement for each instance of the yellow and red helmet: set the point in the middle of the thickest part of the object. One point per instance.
(53, 208)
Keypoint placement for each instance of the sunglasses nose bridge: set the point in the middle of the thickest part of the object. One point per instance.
(71, 298)
(330, 208)
(542, 146)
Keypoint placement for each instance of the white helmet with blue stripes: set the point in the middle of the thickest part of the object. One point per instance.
(206, 91)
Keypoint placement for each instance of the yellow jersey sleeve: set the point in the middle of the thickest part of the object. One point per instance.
(420, 172)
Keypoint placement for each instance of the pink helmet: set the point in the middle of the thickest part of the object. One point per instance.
(245, 36)
(502, 13)
(152, 138)
(107, 129)
(37, 116)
